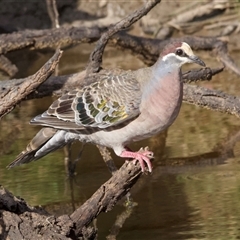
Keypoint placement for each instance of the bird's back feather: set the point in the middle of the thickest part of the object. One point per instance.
(110, 101)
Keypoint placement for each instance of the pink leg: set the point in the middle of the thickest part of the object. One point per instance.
(143, 155)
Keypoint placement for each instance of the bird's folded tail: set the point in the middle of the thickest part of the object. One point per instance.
(45, 141)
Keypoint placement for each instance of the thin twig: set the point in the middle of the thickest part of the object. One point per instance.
(53, 13)
(95, 60)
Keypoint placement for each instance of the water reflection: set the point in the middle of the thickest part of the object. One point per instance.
(193, 192)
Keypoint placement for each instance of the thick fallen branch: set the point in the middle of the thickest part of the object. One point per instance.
(16, 94)
(212, 99)
(146, 49)
(48, 38)
(207, 10)
(18, 220)
(42, 39)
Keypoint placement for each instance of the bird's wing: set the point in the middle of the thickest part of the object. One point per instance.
(113, 99)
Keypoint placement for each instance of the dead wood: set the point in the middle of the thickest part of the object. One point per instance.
(201, 74)
(16, 94)
(147, 49)
(42, 39)
(120, 220)
(207, 10)
(212, 99)
(47, 38)
(18, 220)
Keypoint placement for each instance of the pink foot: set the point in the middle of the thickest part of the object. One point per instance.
(142, 156)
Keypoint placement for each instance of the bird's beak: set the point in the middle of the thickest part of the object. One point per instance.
(197, 60)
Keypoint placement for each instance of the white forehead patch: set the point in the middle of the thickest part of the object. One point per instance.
(187, 49)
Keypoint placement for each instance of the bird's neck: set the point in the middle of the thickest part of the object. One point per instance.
(163, 91)
(163, 77)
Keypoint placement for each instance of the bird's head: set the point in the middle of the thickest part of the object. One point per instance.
(179, 53)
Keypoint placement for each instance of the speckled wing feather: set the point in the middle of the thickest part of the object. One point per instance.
(112, 99)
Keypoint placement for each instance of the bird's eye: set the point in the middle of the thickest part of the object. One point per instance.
(179, 52)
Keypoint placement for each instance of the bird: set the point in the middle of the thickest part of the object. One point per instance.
(116, 108)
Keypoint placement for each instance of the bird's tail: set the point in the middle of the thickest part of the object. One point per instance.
(45, 141)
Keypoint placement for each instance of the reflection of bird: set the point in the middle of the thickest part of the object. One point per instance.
(117, 108)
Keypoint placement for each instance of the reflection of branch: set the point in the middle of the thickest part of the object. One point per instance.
(203, 159)
(226, 146)
(9, 139)
(104, 199)
(221, 152)
(121, 220)
(16, 94)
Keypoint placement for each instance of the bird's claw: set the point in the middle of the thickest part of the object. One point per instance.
(143, 156)
(145, 151)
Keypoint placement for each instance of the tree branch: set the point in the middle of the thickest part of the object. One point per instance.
(96, 55)
(17, 93)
